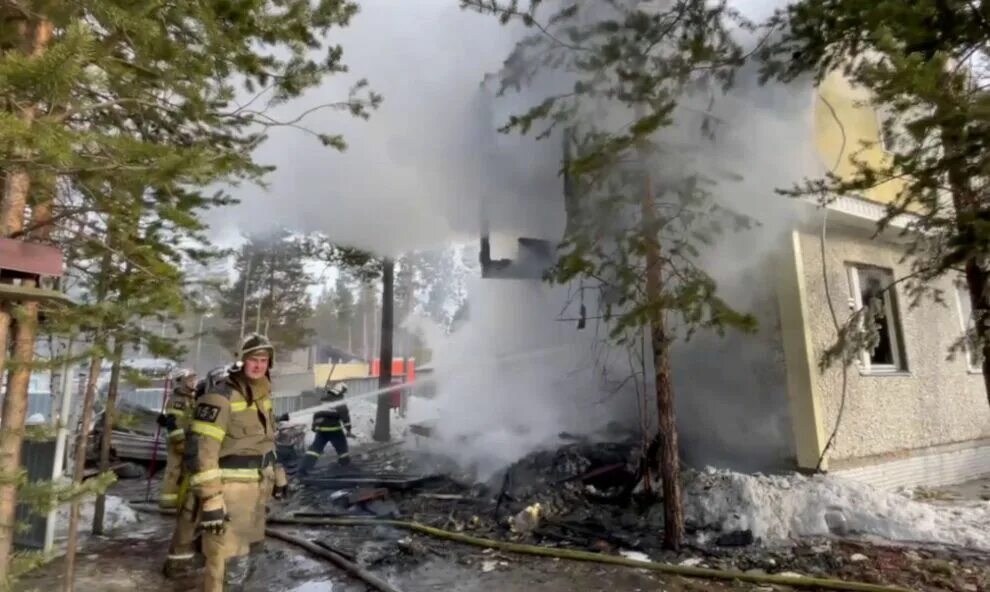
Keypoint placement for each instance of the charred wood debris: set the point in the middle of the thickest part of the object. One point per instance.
(581, 495)
(584, 495)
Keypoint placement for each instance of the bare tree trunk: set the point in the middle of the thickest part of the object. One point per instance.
(106, 436)
(382, 418)
(673, 530)
(80, 466)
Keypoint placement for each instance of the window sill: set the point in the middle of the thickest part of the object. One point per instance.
(885, 373)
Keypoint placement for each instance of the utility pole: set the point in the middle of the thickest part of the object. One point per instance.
(382, 427)
(247, 280)
(61, 422)
(199, 338)
(364, 334)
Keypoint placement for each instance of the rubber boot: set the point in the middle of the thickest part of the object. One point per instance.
(307, 464)
(181, 566)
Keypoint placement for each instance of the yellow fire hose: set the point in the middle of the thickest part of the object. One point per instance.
(679, 570)
(586, 556)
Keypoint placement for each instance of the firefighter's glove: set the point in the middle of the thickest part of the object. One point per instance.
(162, 420)
(213, 516)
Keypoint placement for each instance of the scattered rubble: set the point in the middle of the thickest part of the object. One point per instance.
(589, 497)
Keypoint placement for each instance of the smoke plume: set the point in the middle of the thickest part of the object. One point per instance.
(515, 374)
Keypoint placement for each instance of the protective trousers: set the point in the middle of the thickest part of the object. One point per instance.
(227, 553)
(168, 496)
(182, 549)
(323, 437)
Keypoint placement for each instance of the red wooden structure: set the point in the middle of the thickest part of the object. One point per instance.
(22, 260)
(403, 371)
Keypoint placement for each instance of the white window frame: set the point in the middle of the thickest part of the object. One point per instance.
(962, 291)
(856, 304)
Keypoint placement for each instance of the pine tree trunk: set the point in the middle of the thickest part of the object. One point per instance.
(673, 511)
(107, 435)
(670, 471)
(15, 404)
(79, 467)
(12, 219)
(382, 418)
(15, 401)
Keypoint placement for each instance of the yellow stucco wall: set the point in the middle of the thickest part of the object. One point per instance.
(935, 402)
(860, 126)
(340, 372)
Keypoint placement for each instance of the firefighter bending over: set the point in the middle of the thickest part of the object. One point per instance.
(231, 454)
(331, 426)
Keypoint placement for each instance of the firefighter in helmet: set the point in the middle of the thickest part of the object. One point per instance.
(182, 556)
(331, 426)
(174, 421)
(231, 455)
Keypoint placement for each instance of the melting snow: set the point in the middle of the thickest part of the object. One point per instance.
(782, 508)
(118, 515)
(325, 586)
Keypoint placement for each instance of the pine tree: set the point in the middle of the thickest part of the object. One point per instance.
(270, 294)
(102, 95)
(925, 65)
(637, 219)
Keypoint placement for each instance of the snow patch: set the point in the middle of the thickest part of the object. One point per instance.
(118, 515)
(324, 586)
(782, 508)
(634, 555)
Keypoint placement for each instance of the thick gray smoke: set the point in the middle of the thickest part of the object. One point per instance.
(416, 175)
(412, 174)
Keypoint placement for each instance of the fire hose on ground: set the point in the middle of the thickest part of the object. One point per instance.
(335, 558)
(571, 554)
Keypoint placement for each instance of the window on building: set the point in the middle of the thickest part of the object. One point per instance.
(869, 284)
(966, 323)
